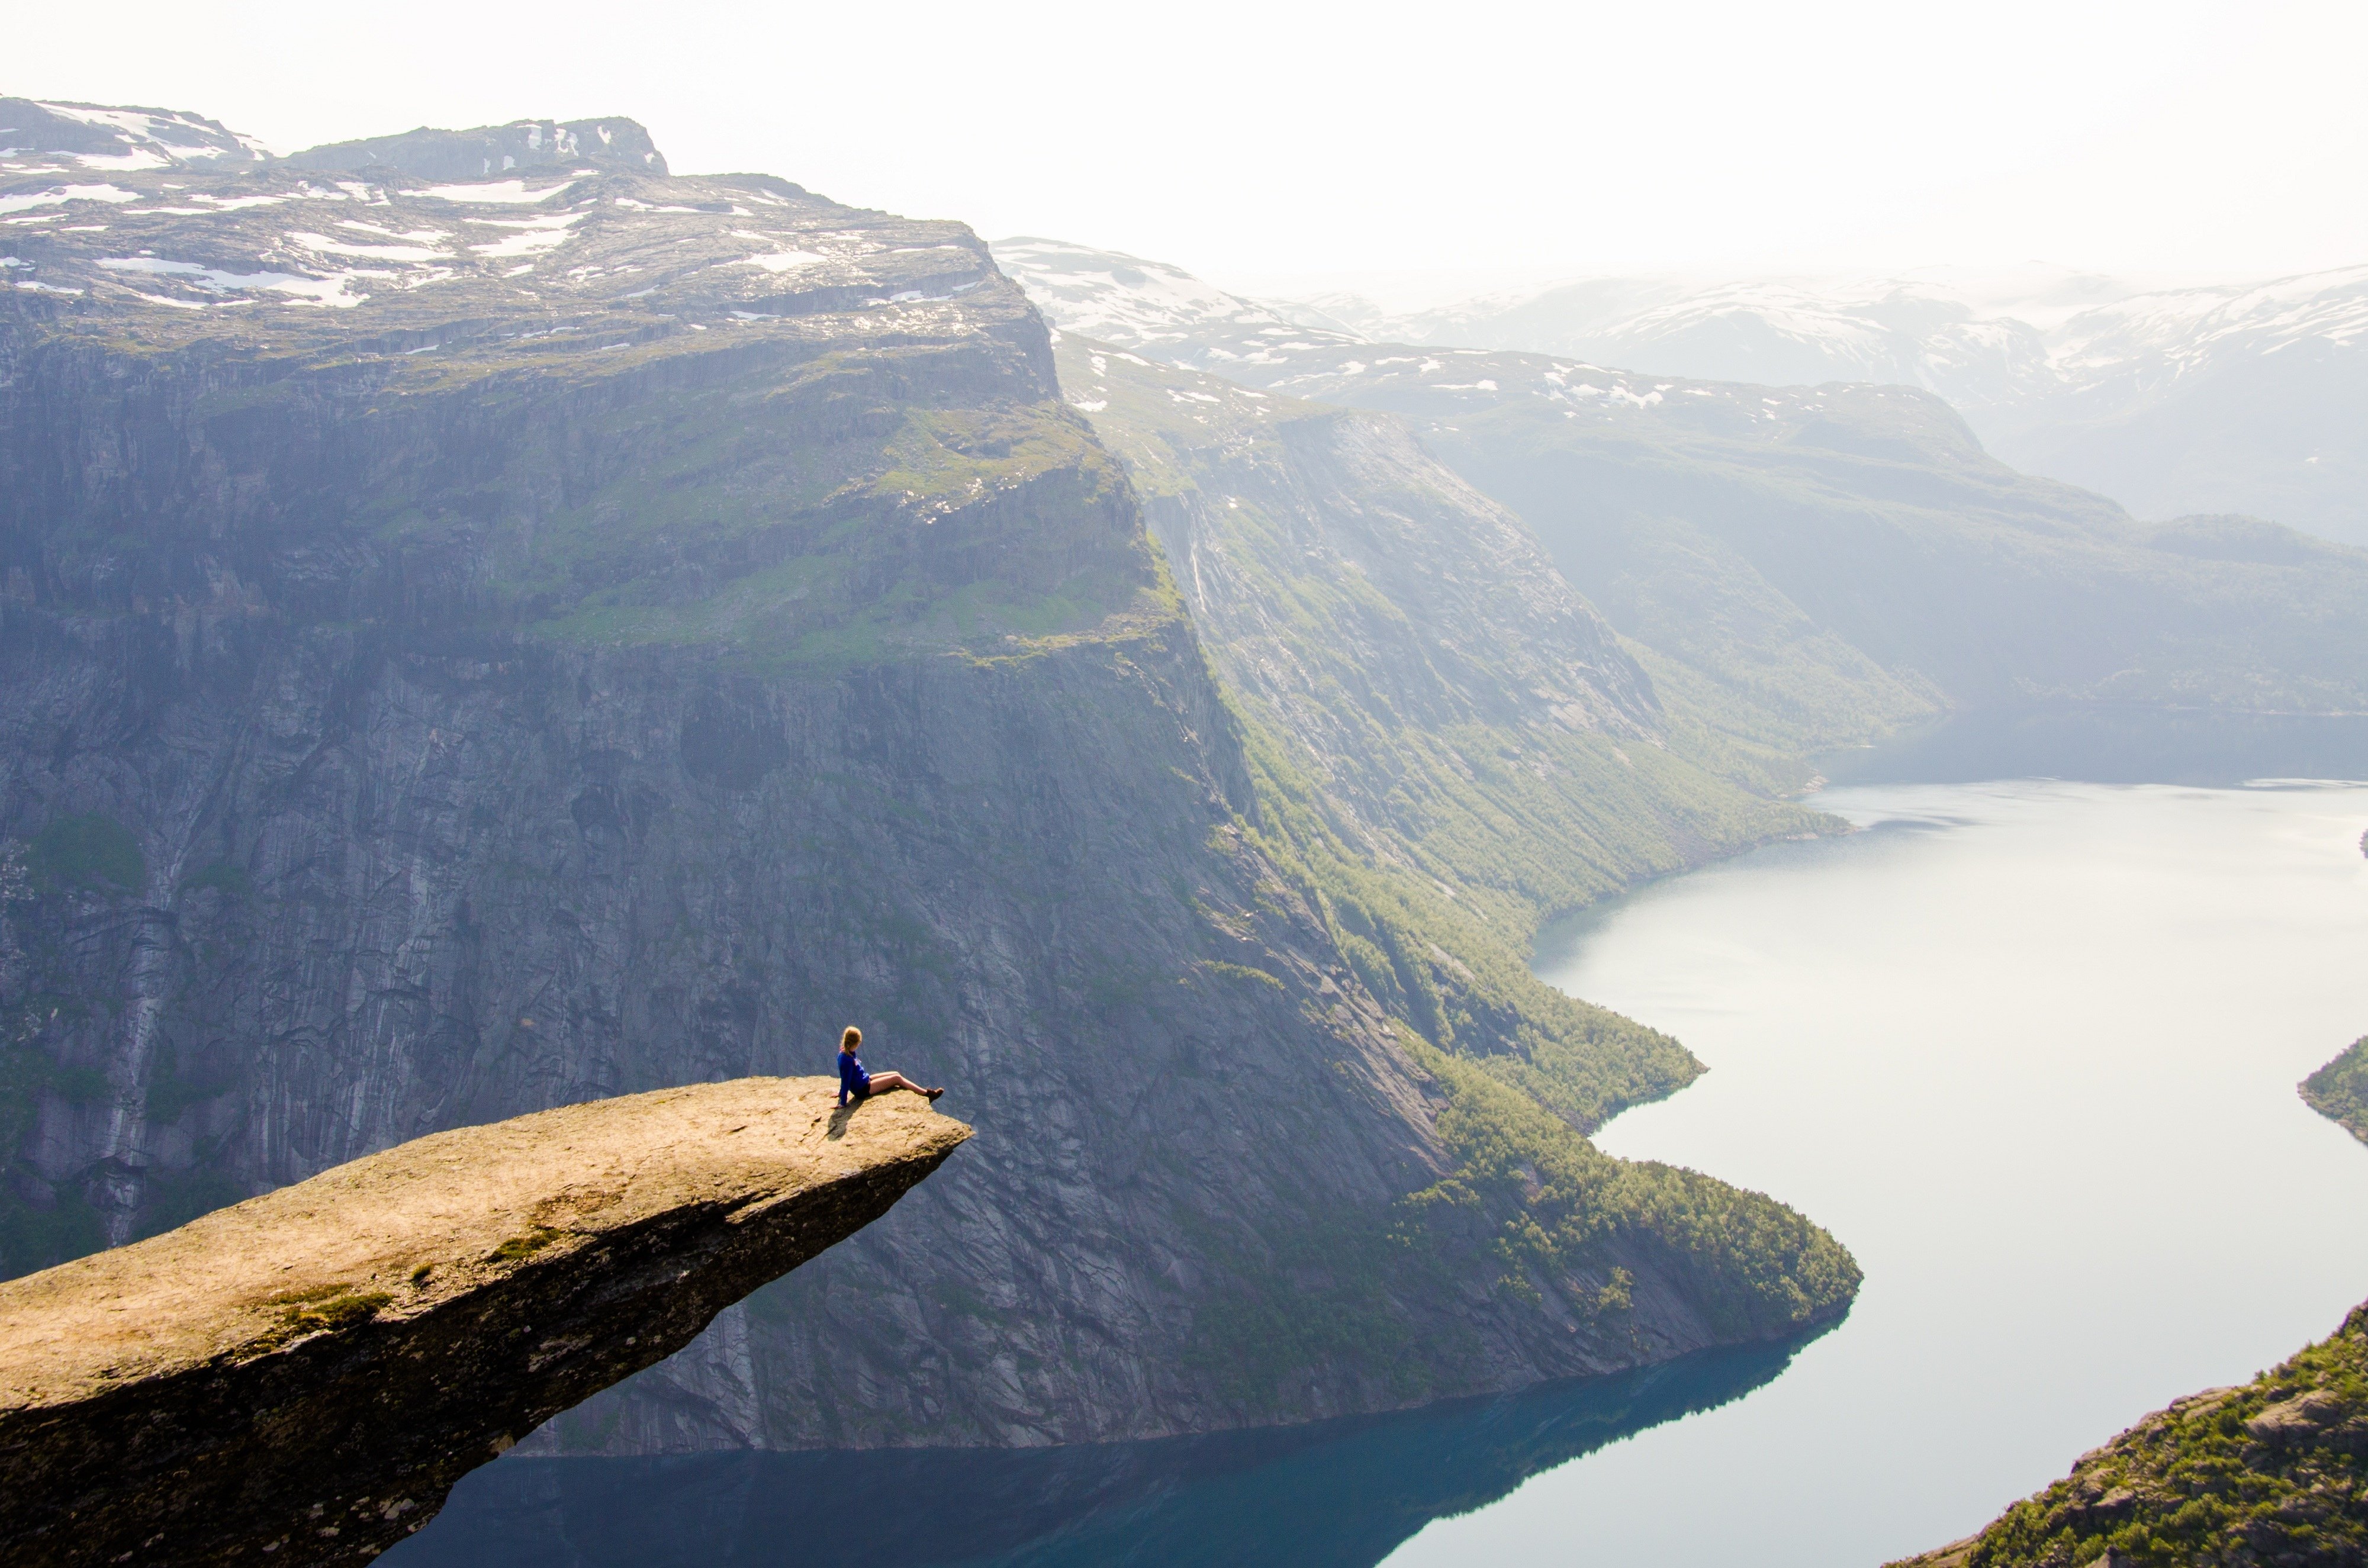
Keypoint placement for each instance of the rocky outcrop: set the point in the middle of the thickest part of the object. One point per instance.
(305, 1375)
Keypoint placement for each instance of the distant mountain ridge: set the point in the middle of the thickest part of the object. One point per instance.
(66, 138)
(535, 145)
(1803, 567)
(2224, 397)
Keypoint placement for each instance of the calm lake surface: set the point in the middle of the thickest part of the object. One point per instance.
(2029, 1049)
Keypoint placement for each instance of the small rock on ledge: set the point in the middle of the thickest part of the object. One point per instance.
(300, 1378)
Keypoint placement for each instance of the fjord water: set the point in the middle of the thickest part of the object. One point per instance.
(2029, 1049)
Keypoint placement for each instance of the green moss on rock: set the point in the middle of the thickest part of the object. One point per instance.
(2338, 1091)
(92, 852)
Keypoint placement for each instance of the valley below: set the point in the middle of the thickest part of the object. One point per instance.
(2030, 1048)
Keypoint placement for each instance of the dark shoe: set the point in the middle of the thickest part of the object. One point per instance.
(933, 1094)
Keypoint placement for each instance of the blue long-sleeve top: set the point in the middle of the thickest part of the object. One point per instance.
(852, 1078)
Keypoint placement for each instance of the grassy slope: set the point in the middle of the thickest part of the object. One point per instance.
(1556, 1222)
(825, 519)
(2274, 1472)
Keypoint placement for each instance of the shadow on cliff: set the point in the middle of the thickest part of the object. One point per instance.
(1336, 1494)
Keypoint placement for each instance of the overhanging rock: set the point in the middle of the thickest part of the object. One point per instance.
(301, 1378)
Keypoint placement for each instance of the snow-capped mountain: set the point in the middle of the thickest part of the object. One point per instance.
(91, 137)
(2242, 398)
(1975, 337)
(1176, 318)
(1978, 341)
(2189, 329)
(1849, 545)
(105, 208)
(1123, 299)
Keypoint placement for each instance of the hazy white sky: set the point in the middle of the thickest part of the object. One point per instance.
(1278, 138)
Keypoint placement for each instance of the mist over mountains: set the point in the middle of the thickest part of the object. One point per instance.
(2173, 399)
(1813, 566)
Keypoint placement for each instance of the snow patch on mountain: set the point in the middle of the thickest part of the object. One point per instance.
(506, 191)
(95, 136)
(1124, 300)
(333, 289)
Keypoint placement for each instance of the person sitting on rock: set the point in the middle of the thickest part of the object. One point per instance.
(856, 1084)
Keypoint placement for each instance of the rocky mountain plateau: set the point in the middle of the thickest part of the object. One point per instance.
(301, 1378)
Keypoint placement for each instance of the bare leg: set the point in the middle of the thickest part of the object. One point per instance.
(884, 1082)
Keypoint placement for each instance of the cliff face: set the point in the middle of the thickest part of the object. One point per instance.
(305, 1375)
(476, 646)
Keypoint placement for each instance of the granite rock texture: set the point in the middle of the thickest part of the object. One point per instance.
(301, 1379)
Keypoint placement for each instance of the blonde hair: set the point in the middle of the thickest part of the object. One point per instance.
(851, 1038)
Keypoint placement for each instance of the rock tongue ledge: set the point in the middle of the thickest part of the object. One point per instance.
(307, 1373)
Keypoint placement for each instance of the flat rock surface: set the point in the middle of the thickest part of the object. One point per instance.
(308, 1372)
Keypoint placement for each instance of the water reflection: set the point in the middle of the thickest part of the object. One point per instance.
(1338, 1494)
